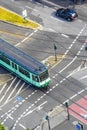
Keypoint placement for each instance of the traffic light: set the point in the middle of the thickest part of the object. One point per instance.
(66, 104)
(47, 117)
(55, 47)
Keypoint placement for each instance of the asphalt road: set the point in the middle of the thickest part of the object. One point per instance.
(23, 106)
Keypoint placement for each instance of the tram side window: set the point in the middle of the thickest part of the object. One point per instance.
(5, 59)
(0, 56)
(35, 78)
(27, 74)
(24, 72)
(14, 65)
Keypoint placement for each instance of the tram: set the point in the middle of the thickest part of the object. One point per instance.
(24, 66)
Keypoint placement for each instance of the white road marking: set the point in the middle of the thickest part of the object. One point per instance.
(84, 77)
(22, 126)
(40, 106)
(68, 64)
(65, 102)
(20, 89)
(66, 52)
(81, 91)
(65, 35)
(26, 38)
(12, 91)
(37, 108)
(50, 29)
(13, 109)
(10, 116)
(15, 96)
(3, 88)
(7, 90)
(73, 96)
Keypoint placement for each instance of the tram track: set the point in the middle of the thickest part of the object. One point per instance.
(45, 93)
(12, 34)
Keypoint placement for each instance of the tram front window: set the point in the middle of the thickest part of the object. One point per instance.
(44, 76)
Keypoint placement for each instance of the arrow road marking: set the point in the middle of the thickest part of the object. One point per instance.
(37, 108)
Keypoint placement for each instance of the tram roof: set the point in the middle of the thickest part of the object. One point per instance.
(21, 58)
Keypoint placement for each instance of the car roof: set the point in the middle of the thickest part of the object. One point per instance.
(60, 9)
(70, 10)
(67, 10)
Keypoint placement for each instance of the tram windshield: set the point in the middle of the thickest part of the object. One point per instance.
(44, 76)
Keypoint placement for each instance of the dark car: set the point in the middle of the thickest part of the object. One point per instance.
(68, 14)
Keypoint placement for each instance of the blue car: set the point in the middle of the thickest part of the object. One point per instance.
(68, 14)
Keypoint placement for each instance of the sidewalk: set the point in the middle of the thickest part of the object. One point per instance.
(55, 117)
(66, 125)
(61, 3)
(4, 78)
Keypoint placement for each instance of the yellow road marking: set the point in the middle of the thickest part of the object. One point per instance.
(50, 61)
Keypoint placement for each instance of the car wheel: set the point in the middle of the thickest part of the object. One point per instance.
(69, 19)
(57, 14)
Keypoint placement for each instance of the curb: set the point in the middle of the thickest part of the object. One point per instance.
(55, 117)
(19, 25)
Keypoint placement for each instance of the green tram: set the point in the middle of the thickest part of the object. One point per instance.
(23, 65)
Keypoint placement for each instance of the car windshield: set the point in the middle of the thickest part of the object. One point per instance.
(70, 10)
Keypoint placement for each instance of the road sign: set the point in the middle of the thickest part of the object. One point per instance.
(18, 98)
(78, 126)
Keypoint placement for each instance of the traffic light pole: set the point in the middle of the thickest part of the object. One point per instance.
(49, 124)
(68, 113)
(47, 118)
(67, 106)
(55, 56)
(55, 48)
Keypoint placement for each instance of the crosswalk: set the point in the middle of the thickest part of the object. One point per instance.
(10, 90)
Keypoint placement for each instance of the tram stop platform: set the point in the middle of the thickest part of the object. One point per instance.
(53, 61)
(4, 78)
